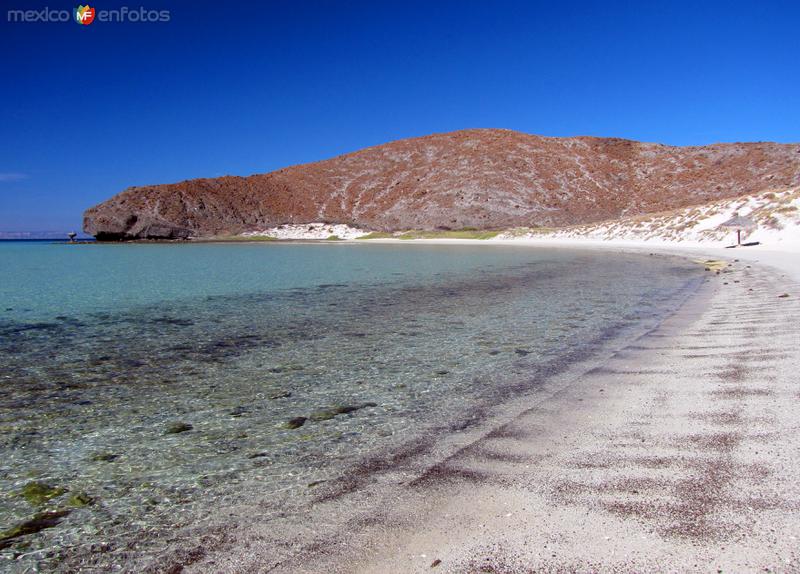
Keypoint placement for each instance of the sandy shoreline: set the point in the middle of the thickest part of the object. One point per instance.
(784, 256)
(677, 453)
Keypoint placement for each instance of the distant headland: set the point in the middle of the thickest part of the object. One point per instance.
(478, 178)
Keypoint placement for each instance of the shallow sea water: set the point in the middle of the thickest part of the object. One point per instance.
(105, 348)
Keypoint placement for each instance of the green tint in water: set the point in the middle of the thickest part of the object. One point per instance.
(161, 382)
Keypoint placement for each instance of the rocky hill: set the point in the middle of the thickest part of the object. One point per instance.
(484, 178)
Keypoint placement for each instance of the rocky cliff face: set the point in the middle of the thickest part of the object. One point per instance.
(472, 178)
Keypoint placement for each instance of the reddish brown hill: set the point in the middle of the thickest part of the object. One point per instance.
(472, 178)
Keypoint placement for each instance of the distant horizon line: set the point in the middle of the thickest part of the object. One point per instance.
(40, 234)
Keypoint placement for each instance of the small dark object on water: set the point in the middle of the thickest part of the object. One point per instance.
(784, 296)
(522, 352)
(175, 428)
(296, 423)
(280, 395)
(435, 563)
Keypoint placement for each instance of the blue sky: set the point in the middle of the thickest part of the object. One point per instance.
(86, 111)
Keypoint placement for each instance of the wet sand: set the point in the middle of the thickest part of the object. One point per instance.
(679, 452)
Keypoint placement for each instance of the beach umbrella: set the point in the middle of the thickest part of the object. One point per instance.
(739, 223)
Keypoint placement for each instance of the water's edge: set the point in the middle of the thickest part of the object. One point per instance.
(379, 477)
(249, 361)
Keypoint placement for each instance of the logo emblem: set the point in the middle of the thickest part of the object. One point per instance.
(84, 14)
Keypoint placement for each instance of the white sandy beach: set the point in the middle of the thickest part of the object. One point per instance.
(676, 453)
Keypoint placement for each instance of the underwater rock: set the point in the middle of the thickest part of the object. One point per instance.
(238, 411)
(327, 414)
(287, 368)
(323, 415)
(296, 423)
(178, 427)
(38, 522)
(104, 457)
(349, 409)
(79, 500)
(37, 493)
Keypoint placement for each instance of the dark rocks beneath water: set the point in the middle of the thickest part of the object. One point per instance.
(327, 414)
(286, 368)
(323, 415)
(178, 427)
(37, 493)
(238, 411)
(79, 500)
(160, 375)
(39, 522)
(104, 457)
(296, 423)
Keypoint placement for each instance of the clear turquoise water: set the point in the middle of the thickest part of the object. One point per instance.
(103, 347)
